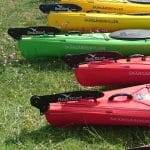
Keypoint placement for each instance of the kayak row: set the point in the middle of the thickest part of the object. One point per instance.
(124, 106)
(98, 15)
(96, 58)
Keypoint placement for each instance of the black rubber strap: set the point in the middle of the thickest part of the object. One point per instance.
(111, 98)
(59, 7)
(17, 33)
(42, 102)
(74, 60)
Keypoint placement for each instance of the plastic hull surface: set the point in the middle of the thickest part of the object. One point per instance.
(122, 72)
(97, 22)
(110, 6)
(60, 45)
(119, 111)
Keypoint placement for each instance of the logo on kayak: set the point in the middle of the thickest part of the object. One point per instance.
(68, 97)
(138, 73)
(61, 8)
(84, 47)
(101, 20)
(108, 8)
(122, 119)
(35, 32)
(93, 57)
(144, 97)
(139, 96)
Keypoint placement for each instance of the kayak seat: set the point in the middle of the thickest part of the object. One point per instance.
(135, 34)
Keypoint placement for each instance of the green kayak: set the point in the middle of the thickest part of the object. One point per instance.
(125, 42)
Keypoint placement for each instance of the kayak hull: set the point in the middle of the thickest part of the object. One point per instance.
(119, 111)
(60, 45)
(109, 6)
(98, 22)
(121, 72)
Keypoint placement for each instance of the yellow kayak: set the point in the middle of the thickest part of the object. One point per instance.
(111, 6)
(87, 22)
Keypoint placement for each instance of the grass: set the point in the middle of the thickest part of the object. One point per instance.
(21, 126)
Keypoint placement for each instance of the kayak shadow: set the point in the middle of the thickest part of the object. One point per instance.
(58, 64)
(112, 135)
(42, 64)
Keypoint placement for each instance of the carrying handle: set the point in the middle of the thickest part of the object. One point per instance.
(111, 98)
(17, 33)
(136, 55)
(73, 32)
(47, 8)
(43, 102)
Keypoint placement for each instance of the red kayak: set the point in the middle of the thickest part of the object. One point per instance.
(133, 70)
(128, 106)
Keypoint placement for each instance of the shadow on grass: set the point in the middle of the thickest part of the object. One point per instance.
(2, 69)
(127, 136)
(57, 64)
(52, 64)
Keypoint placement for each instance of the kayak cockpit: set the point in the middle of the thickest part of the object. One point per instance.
(140, 1)
(131, 34)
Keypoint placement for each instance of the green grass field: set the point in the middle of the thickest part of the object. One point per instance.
(21, 126)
